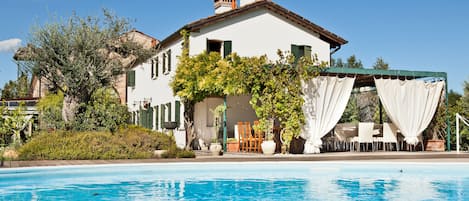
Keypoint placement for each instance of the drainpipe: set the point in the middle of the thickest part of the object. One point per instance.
(334, 50)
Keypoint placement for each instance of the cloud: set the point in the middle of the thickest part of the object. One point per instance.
(10, 45)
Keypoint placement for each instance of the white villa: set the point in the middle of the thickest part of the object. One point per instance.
(252, 28)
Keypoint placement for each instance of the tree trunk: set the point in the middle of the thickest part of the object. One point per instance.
(189, 107)
(69, 109)
(366, 103)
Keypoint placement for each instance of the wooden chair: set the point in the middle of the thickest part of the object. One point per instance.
(248, 142)
(258, 138)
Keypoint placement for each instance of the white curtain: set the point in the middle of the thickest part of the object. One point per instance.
(410, 104)
(325, 101)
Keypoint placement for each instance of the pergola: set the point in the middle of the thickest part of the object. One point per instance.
(365, 78)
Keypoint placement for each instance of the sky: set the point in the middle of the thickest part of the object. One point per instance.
(430, 35)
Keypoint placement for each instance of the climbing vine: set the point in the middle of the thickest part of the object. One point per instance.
(275, 87)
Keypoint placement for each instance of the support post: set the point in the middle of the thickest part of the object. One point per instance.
(224, 125)
(457, 133)
(448, 129)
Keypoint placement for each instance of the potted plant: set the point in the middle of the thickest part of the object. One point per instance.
(232, 145)
(215, 146)
(436, 132)
(268, 145)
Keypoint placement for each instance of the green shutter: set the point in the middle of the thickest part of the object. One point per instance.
(169, 112)
(131, 78)
(156, 117)
(164, 63)
(142, 119)
(150, 117)
(157, 65)
(226, 48)
(169, 60)
(162, 115)
(177, 114)
(152, 69)
(307, 52)
(295, 50)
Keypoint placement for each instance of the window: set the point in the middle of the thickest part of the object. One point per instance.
(164, 63)
(301, 51)
(218, 46)
(131, 78)
(168, 54)
(154, 68)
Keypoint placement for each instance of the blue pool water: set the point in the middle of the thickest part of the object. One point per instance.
(240, 181)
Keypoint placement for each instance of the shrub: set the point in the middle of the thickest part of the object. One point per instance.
(174, 152)
(126, 143)
(103, 112)
(185, 154)
(50, 111)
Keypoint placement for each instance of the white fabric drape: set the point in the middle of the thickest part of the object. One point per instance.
(325, 100)
(410, 104)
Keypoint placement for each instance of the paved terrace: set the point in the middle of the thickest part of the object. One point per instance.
(432, 157)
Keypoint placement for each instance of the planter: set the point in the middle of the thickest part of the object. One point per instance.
(268, 147)
(435, 145)
(232, 146)
(215, 148)
(170, 125)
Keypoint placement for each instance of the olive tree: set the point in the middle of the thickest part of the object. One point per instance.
(80, 55)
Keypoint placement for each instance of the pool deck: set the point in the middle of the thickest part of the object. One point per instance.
(432, 157)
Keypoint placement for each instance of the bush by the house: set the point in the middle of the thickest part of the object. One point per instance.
(129, 143)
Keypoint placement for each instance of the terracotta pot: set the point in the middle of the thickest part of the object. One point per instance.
(435, 145)
(232, 146)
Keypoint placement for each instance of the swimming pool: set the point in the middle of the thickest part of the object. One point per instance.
(240, 181)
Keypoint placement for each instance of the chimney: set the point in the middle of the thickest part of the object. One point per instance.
(222, 6)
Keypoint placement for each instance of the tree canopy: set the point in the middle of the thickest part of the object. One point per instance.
(80, 55)
(380, 64)
(16, 89)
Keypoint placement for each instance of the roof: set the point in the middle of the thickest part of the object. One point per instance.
(365, 77)
(333, 39)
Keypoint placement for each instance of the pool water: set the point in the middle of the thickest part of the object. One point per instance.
(240, 181)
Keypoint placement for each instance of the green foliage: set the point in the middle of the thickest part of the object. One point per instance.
(16, 89)
(174, 152)
(274, 87)
(351, 113)
(437, 128)
(185, 154)
(462, 107)
(130, 143)
(50, 112)
(353, 62)
(104, 112)
(380, 64)
(12, 122)
(80, 55)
